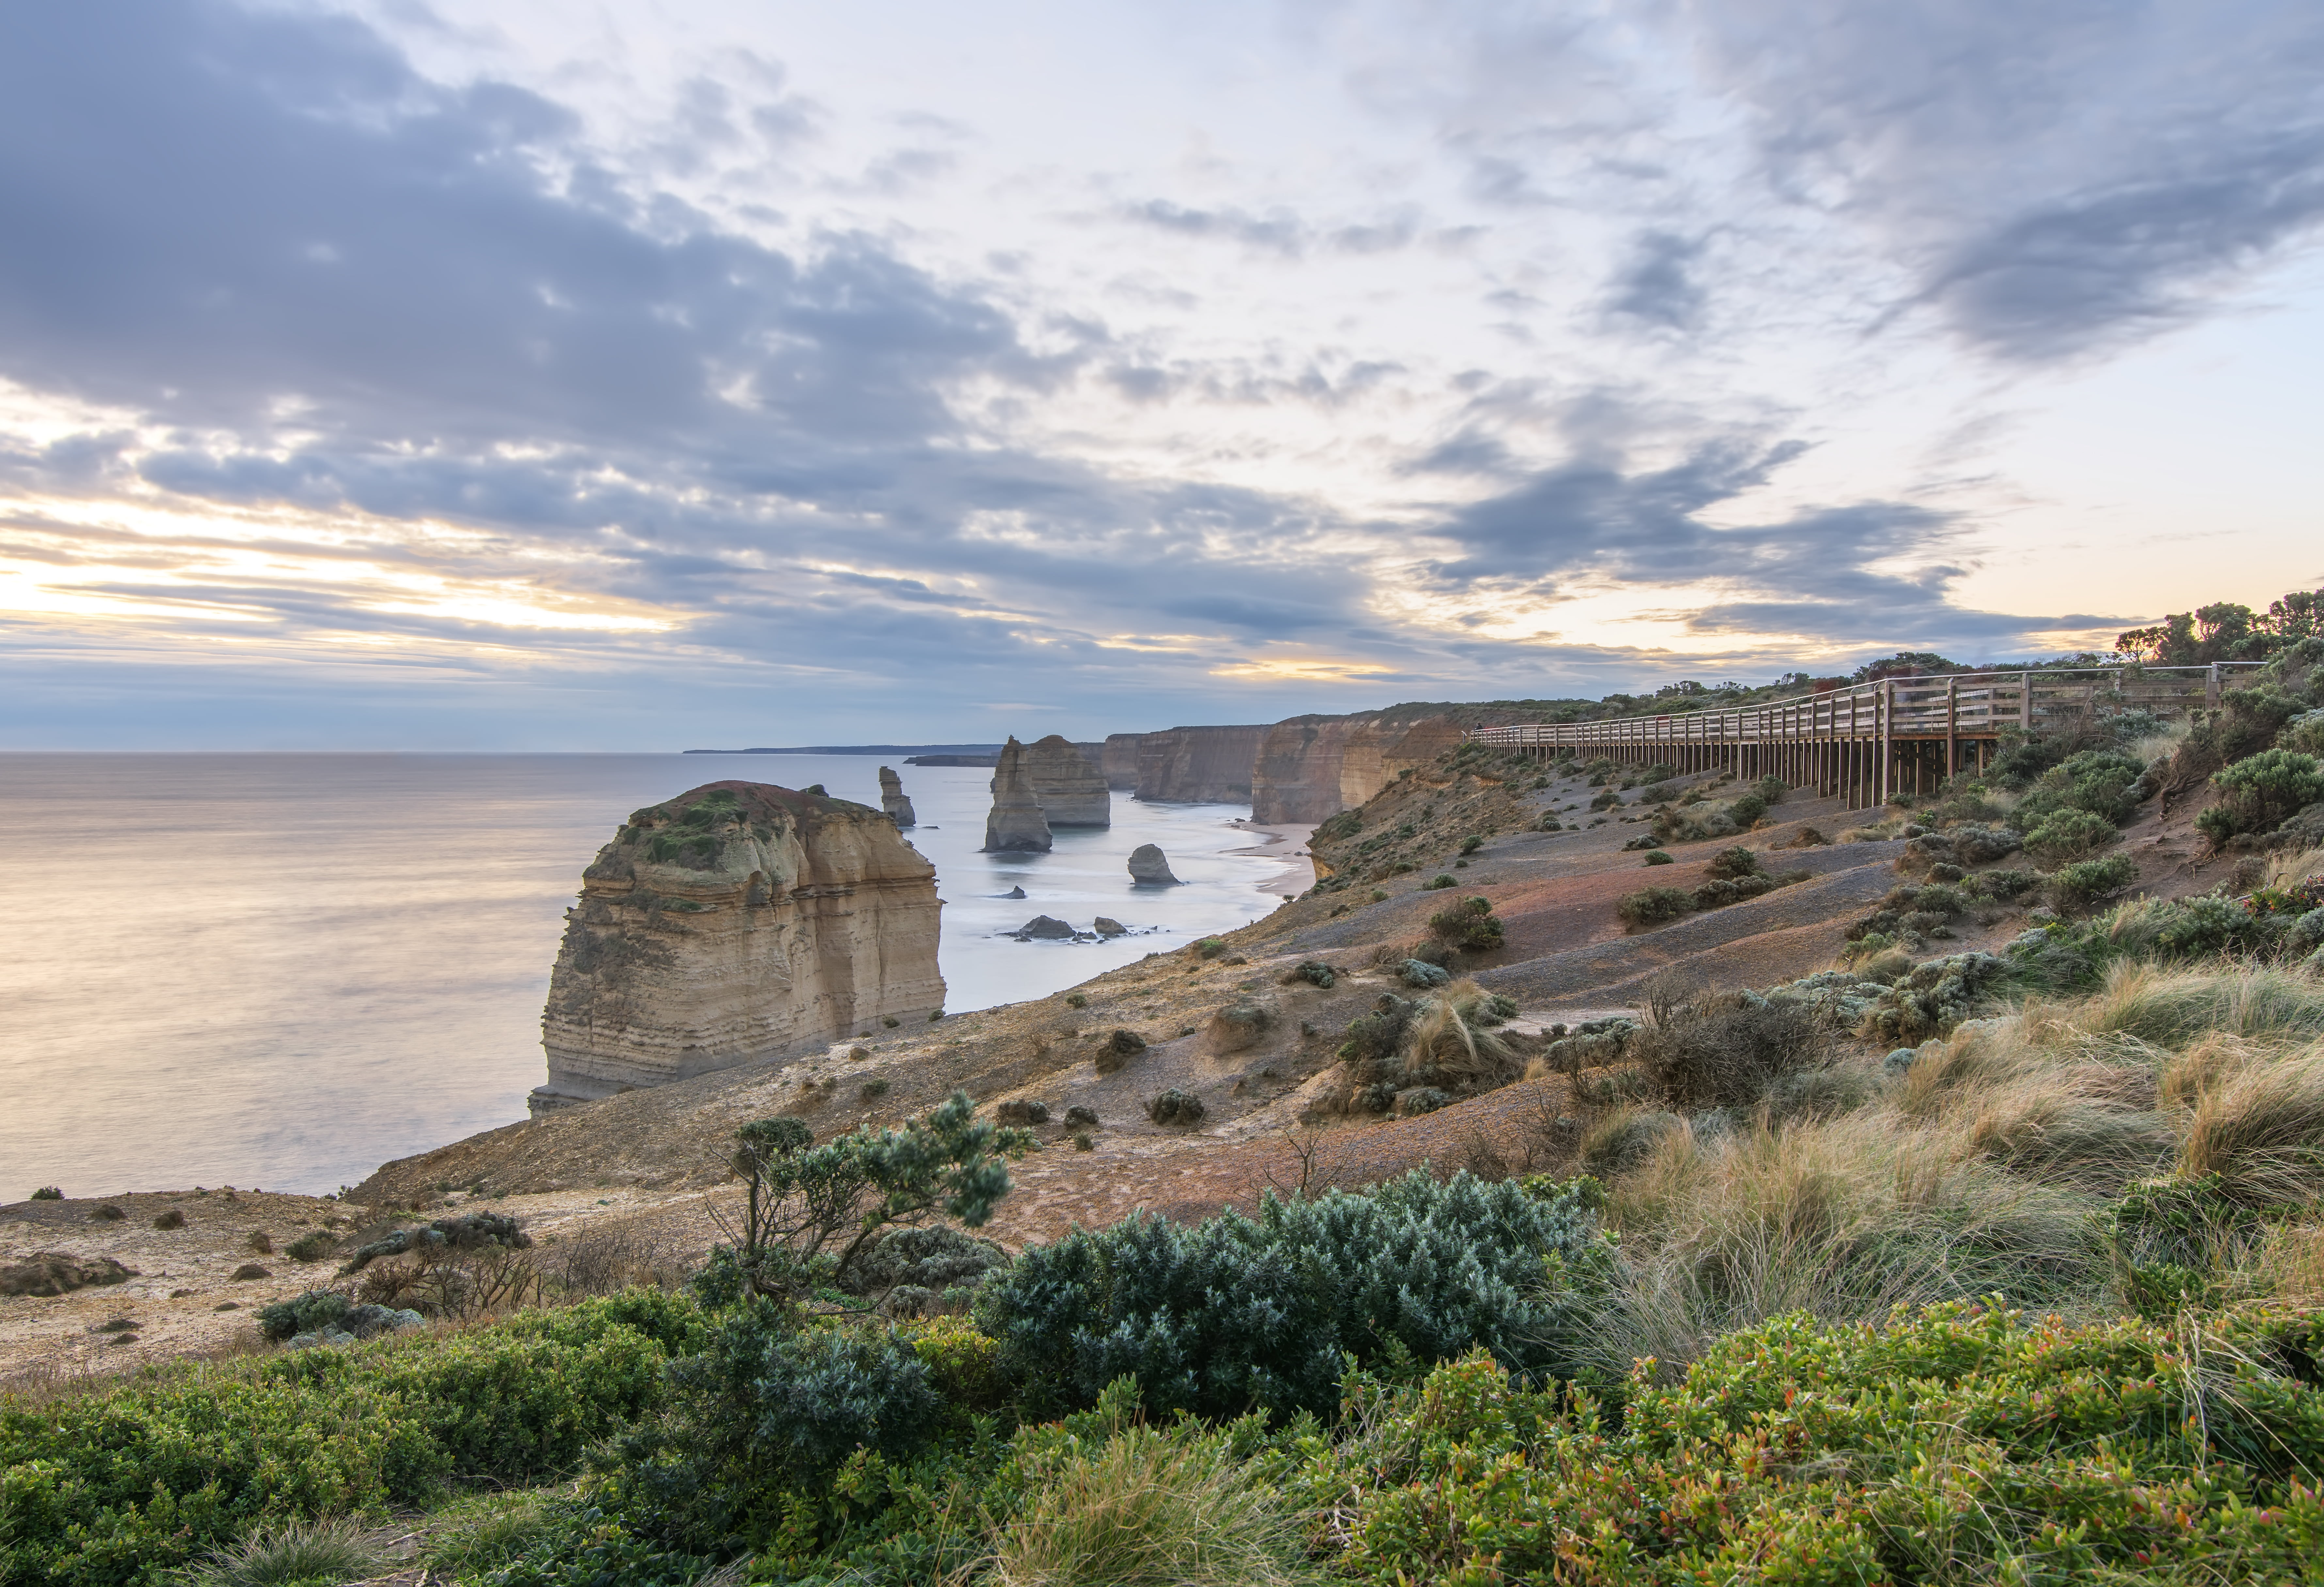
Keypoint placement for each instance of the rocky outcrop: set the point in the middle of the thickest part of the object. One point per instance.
(1072, 791)
(1016, 824)
(1150, 866)
(1310, 768)
(893, 800)
(1120, 760)
(1198, 765)
(735, 923)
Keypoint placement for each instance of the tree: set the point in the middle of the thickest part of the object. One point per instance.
(809, 1211)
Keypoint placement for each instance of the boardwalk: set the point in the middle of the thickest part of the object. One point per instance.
(1864, 742)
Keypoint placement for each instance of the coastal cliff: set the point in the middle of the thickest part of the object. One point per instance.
(736, 922)
(1198, 765)
(1072, 790)
(1117, 760)
(1311, 768)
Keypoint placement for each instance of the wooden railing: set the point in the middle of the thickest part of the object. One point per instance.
(1866, 742)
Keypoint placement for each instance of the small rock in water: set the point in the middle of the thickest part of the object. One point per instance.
(1045, 926)
(1014, 892)
(1105, 926)
(1149, 864)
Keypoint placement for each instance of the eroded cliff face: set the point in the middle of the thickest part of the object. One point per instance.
(1120, 760)
(1311, 768)
(1072, 791)
(737, 922)
(1198, 765)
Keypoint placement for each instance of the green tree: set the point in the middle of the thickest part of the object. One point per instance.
(809, 1211)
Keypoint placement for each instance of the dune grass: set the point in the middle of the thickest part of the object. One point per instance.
(1167, 1506)
(1986, 1166)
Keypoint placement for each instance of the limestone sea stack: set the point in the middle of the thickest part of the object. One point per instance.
(893, 799)
(1016, 824)
(1119, 760)
(735, 923)
(1072, 791)
(1149, 866)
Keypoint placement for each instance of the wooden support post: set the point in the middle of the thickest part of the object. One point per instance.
(1888, 701)
(1952, 727)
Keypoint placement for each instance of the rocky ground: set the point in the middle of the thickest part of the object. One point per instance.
(646, 1168)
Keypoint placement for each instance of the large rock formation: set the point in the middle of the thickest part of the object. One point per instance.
(893, 799)
(1150, 867)
(1016, 824)
(1120, 761)
(1309, 767)
(734, 923)
(1072, 791)
(1198, 765)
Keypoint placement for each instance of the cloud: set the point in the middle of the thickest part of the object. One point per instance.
(1655, 284)
(2056, 177)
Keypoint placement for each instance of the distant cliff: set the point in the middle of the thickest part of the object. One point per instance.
(736, 922)
(1198, 765)
(1309, 767)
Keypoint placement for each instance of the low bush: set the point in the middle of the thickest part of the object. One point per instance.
(1732, 863)
(1470, 925)
(1653, 906)
(1725, 1050)
(1235, 1313)
(2259, 791)
(1175, 1106)
(2067, 835)
(1954, 1444)
(1439, 883)
(2085, 882)
(1314, 973)
(118, 1485)
(1656, 857)
(48, 1193)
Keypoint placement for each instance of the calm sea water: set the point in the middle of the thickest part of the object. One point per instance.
(284, 970)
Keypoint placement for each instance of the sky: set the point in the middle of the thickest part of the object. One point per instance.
(438, 374)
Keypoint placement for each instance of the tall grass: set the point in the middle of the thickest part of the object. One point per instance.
(1981, 1168)
(1151, 1507)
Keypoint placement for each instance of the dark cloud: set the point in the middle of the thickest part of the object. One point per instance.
(1655, 283)
(2060, 175)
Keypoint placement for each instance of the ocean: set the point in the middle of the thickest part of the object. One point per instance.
(279, 970)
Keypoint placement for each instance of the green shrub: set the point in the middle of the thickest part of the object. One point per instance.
(2259, 791)
(1470, 925)
(2091, 882)
(311, 1246)
(1438, 883)
(113, 1487)
(1656, 857)
(2067, 835)
(1955, 1445)
(1077, 1000)
(1471, 844)
(1748, 809)
(317, 1308)
(1314, 972)
(1731, 862)
(1234, 1314)
(2095, 781)
(48, 1193)
(2005, 885)
(2203, 926)
(1654, 904)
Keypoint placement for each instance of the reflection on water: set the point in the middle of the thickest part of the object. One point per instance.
(282, 970)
